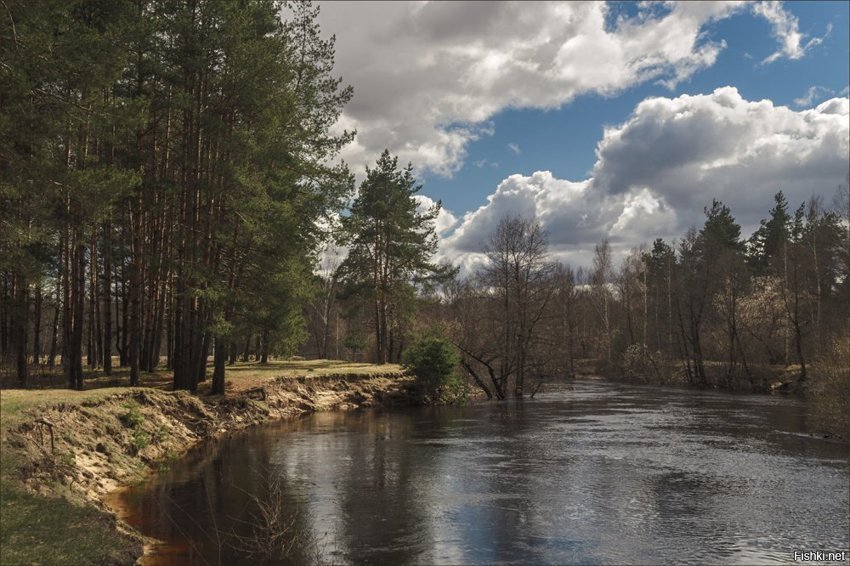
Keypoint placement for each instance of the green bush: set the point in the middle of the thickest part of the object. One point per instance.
(133, 418)
(139, 441)
(433, 361)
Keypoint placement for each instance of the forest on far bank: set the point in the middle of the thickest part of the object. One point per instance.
(171, 195)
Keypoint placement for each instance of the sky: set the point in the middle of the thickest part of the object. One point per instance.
(617, 121)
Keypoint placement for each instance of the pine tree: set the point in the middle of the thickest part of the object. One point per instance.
(766, 243)
(391, 244)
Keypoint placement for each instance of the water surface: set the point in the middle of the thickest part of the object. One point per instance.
(587, 472)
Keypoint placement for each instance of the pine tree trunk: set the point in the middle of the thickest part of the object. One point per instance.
(233, 354)
(92, 318)
(75, 346)
(20, 329)
(123, 341)
(54, 331)
(219, 367)
(5, 300)
(36, 334)
(264, 358)
(68, 272)
(135, 298)
(201, 368)
(107, 299)
(247, 350)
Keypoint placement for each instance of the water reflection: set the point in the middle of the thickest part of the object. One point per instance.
(588, 472)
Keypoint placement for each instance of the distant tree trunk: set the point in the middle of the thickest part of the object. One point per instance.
(478, 381)
(4, 317)
(65, 276)
(123, 340)
(75, 345)
(54, 331)
(135, 337)
(390, 344)
(670, 305)
(201, 367)
(794, 315)
(20, 328)
(818, 286)
(246, 352)
(36, 333)
(169, 331)
(380, 332)
(107, 299)
(645, 301)
(92, 351)
(696, 348)
(159, 321)
(787, 335)
(264, 357)
(233, 354)
(218, 369)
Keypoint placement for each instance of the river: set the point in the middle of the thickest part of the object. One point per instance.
(587, 472)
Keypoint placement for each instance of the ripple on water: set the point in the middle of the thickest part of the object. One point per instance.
(587, 473)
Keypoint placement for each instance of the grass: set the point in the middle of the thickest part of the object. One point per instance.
(37, 529)
(237, 374)
(52, 530)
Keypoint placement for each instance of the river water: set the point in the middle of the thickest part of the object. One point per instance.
(587, 472)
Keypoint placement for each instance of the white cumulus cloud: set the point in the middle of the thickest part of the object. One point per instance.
(428, 76)
(656, 172)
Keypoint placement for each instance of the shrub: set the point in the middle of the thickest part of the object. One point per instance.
(433, 362)
(139, 441)
(638, 363)
(133, 417)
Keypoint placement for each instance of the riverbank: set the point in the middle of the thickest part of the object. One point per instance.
(605, 473)
(826, 387)
(64, 451)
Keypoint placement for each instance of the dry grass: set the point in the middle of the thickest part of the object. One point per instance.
(242, 376)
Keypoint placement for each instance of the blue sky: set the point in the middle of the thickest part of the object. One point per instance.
(480, 97)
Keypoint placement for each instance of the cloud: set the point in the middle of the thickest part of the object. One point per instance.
(786, 29)
(428, 76)
(445, 219)
(656, 172)
(514, 148)
(812, 94)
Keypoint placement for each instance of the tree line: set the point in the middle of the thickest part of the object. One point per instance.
(164, 181)
(168, 195)
(711, 309)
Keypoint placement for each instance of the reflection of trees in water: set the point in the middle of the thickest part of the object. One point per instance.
(227, 504)
(602, 473)
(262, 517)
(380, 484)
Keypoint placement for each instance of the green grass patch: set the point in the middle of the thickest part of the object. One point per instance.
(48, 530)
